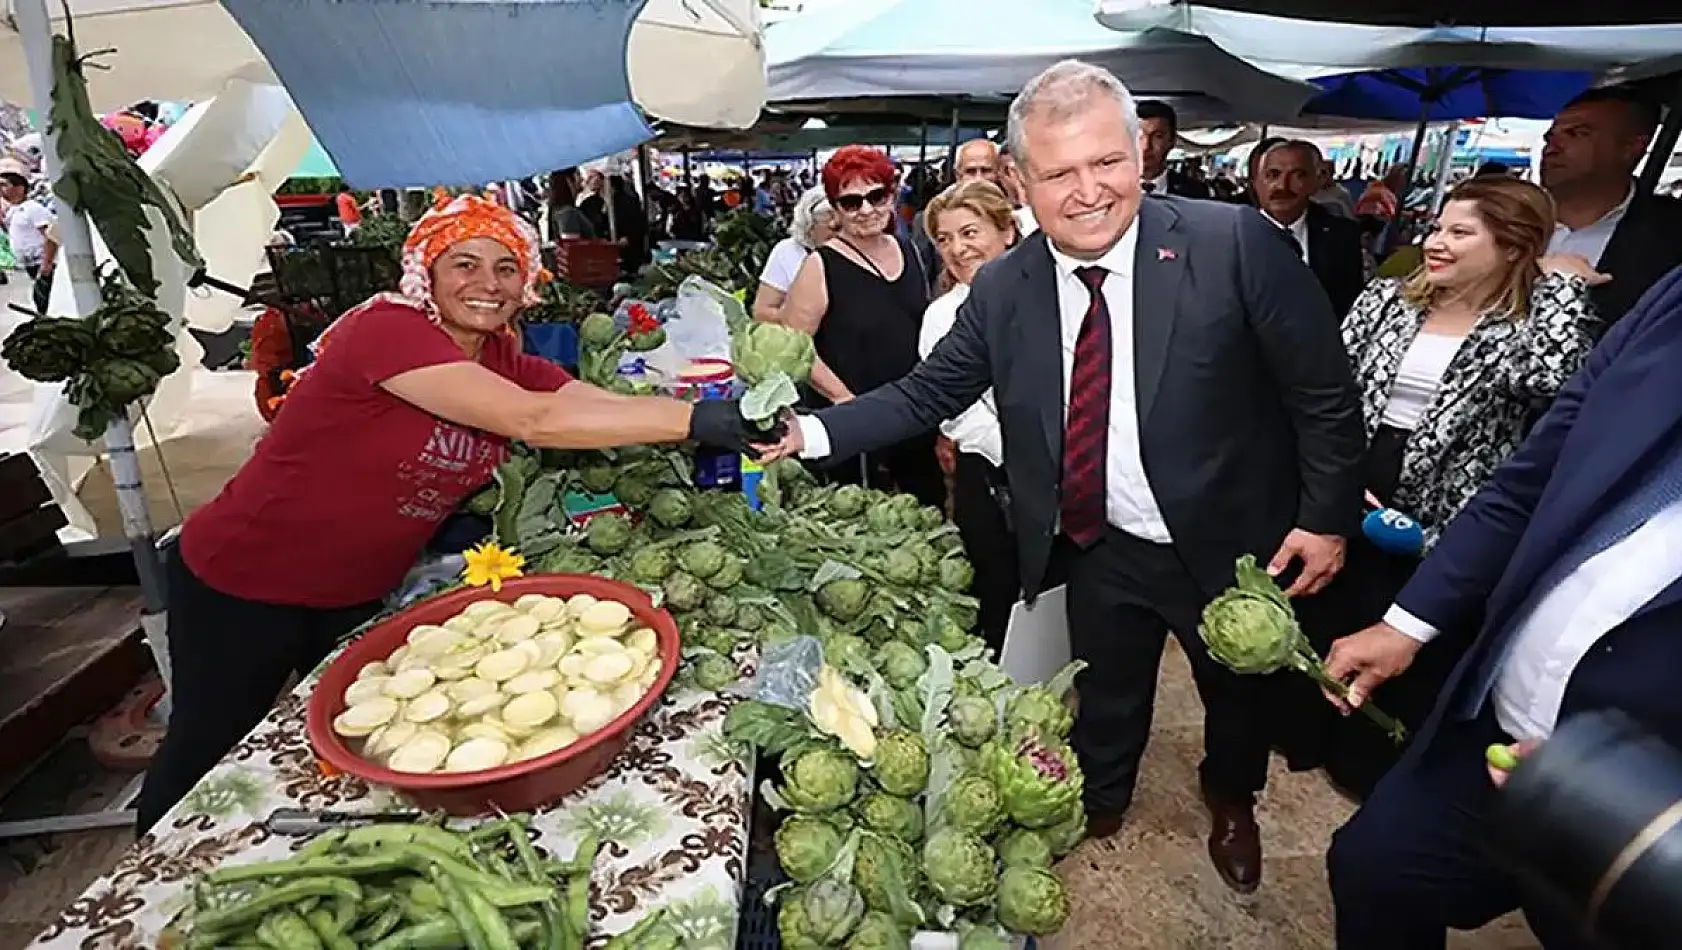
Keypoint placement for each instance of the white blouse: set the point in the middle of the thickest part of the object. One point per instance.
(1418, 378)
(976, 429)
(783, 264)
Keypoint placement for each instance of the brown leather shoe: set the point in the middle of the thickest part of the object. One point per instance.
(1104, 826)
(1235, 844)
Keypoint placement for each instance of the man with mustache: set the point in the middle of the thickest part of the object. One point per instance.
(1172, 393)
(1287, 179)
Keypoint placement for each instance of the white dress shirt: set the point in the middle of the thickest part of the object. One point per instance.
(1568, 621)
(1129, 502)
(976, 429)
(1297, 229)
(1025, 222)
(1590, 240)
(1158, 185)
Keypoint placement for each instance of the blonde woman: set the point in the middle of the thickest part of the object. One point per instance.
(1453, 363)
(812, 225)
(970, 224)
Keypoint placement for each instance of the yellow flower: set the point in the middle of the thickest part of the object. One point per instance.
(491, 564)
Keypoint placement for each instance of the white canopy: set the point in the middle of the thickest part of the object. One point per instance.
(985, 48)
(696, 62)
(1308, 48)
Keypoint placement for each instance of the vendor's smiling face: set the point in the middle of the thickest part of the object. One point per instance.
(477, 286)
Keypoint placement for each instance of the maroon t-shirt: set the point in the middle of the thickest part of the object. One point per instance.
(344, 491)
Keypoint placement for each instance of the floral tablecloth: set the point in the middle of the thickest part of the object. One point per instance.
(672, 812)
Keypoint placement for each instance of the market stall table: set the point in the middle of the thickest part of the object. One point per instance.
(671, 811)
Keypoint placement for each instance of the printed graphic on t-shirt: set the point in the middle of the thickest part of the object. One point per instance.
(454, 461)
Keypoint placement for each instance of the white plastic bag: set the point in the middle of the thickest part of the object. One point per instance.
(698, 330)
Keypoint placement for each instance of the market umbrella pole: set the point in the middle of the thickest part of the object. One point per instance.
(76, 254)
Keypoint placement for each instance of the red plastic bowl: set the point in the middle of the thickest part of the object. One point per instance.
(521, 786)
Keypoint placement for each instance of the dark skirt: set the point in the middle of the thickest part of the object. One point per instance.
(989, 542)
(1311, 734)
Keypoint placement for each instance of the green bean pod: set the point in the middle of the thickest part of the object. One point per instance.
(455, 901)
(497, 934)
(293, 932)
(226, 918)
(326, 928)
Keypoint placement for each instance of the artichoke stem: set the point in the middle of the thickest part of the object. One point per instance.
(1308, 663)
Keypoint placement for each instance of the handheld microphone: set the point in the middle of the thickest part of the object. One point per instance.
(1393, 532)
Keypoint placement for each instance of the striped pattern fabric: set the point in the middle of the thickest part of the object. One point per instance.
(1086, 439)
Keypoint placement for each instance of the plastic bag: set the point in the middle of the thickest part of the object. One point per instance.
(426, 578)
(787, 674)
(698, 332)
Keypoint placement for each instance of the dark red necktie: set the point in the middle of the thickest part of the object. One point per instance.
(1086, 436)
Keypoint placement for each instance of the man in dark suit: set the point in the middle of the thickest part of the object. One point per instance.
(1588, 166)
(1159, 127)
(1287, 178)
(1567, 568)
(1173, 393)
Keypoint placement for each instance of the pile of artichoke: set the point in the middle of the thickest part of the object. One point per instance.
(952, 823)
(108, 360)
(920, 788)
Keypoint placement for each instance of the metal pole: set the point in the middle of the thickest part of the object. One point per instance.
(1445, 166)
(76, 254)
(1664, 143)
(952, 156)
(923, 146)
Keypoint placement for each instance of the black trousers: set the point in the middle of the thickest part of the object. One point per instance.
(908, 466)
(1354, 753)
(1126, 595)
(1411, 864)
(42, 289)
(989, 543)
(230, 659)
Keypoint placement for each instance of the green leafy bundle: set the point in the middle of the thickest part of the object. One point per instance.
(108, 360)
(100, 179)
(1252, 629)
(745, 238)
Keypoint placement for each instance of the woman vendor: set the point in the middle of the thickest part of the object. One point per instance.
(408, 408)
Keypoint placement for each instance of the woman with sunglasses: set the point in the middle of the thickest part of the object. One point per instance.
(861, 295)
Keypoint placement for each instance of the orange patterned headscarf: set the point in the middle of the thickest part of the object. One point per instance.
(463, 219)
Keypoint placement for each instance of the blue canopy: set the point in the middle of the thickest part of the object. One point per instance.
(1439, 94)
(411, 93)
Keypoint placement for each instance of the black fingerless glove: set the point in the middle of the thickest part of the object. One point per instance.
(718, 423)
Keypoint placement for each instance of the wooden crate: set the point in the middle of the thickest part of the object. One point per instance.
(587, 263)
(29, 520)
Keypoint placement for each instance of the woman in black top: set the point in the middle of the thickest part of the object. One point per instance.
(565, 220)
(861, 295)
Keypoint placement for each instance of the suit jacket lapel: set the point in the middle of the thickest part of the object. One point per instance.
(1158, 266)
(1041, 336)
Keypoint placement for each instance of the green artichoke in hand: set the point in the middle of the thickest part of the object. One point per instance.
(1252, 629)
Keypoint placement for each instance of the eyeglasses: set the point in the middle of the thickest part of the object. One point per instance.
(850, 203)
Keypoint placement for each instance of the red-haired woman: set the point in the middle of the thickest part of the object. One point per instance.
(861, 295)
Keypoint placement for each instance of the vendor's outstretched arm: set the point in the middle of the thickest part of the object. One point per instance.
(577, 416)
(953, 377)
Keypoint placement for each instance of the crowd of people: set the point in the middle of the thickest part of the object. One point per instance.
(1137, 382)
(1125, 376)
